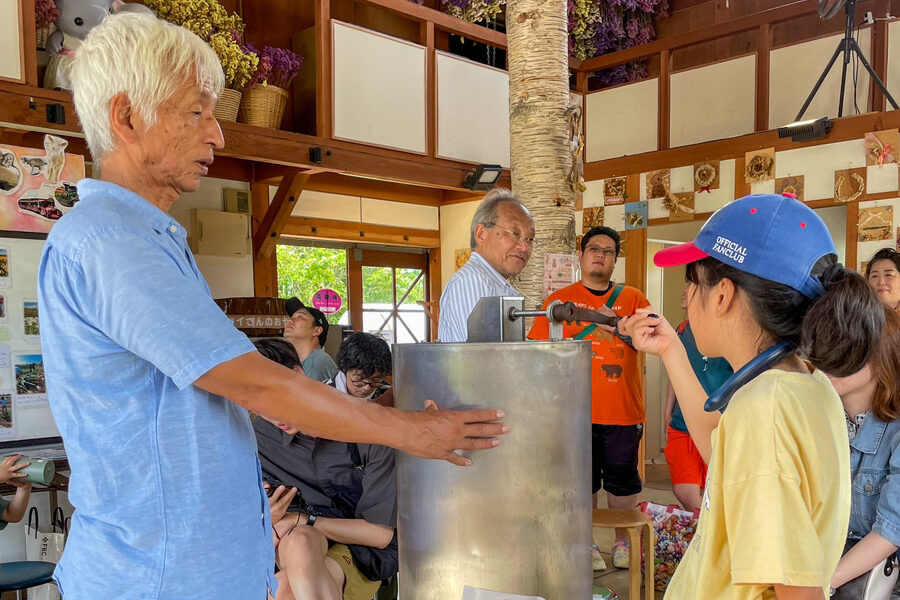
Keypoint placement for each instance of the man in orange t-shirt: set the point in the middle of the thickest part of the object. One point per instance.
(617, 396)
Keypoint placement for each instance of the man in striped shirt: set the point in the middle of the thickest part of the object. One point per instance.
(502, 238)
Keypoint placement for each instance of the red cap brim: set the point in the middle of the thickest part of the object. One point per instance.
(681, 254)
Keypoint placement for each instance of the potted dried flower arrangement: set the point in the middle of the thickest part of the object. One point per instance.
(266, 95)
(45, 13)
(223, 32)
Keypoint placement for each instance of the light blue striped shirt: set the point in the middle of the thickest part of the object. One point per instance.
(475, 280)
(165, 478)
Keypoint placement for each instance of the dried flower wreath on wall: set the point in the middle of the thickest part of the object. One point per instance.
(706, 176)
(790, 185)
(657, 183)
(760, 166)
(849, 184)
(680, 206)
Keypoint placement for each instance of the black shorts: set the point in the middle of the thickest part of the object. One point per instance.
(615, 459)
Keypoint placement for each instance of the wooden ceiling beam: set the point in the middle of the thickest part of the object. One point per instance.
(846, 128)
(349, 231)
(706, 34)
(336, 183)
(278, 213)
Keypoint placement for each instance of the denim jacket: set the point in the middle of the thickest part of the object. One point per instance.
(875, 471)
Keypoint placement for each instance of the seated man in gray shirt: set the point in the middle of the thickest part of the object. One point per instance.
(307, 330)
(337, 538)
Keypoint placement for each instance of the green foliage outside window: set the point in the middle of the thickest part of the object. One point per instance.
(303, 270)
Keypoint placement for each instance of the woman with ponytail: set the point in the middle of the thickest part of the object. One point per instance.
(766, 293)
(871, 399)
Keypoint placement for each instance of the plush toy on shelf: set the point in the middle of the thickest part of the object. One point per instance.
(75, 21)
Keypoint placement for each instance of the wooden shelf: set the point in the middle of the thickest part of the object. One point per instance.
(265, 153)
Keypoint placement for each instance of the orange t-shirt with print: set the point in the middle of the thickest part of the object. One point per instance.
(617, 396)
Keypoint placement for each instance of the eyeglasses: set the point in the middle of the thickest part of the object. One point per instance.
(369, 383)
(607, 252)
(515, 235)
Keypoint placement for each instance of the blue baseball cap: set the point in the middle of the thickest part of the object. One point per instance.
(774, 237)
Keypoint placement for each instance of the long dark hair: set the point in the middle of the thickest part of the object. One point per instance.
(885, 367)
(837, 333)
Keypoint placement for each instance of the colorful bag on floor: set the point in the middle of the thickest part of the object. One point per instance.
(673, 529)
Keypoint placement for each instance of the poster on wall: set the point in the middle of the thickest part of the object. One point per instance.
(31, 387)
(31, 322)
(7, 424)
(4, 267)
(559, 272)
(37, 187)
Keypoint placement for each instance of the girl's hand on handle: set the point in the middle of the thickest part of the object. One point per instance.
(649, 332)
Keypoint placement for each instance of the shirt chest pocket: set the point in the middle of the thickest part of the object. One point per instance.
(868, 482)
(867, 486)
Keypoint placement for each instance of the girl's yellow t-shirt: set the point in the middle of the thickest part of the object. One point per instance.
(777, 501)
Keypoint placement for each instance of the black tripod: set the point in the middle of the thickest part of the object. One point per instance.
(846, 46)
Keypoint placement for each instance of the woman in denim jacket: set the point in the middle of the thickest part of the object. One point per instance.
(871, 399)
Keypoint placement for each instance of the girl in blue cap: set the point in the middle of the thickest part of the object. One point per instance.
(765, 289)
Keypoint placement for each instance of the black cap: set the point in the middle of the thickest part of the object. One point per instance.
(292, 305)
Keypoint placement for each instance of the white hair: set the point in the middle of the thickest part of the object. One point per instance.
(145, 57)
(486, 213)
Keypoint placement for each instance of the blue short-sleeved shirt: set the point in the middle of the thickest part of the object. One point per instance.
(165, 479)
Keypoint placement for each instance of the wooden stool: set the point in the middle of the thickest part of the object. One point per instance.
(633, 521)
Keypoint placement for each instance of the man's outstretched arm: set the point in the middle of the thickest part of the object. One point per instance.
(265, 387)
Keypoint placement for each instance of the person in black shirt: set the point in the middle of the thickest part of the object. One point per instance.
(337, 538)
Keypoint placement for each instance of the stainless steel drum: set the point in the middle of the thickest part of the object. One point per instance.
(518, 521)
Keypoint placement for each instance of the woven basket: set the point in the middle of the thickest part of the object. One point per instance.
(227, 108)
(263, 105)
(43, 34)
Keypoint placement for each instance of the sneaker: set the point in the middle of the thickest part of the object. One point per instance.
(621, 555)
(597, 562)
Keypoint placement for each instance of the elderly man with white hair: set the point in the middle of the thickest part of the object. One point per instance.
(149, 382)
(501, 237)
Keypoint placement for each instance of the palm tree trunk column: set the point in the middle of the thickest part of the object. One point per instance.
(540, 146)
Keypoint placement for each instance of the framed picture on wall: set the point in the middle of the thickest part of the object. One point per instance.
(12, 41)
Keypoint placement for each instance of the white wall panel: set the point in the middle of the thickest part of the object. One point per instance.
(712, 102)
(379, 89)
(322, 205)
(881, 179)
(455, 222)
(893, 62)
(10, 42)
(227, 276)
(622, 120)
(793, 71)
(399, 214)
(817, 164)
(472, 111)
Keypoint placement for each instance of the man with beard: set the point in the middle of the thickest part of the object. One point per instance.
(617, 396)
